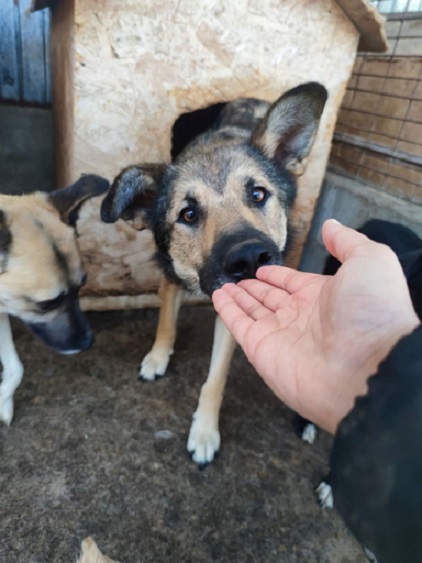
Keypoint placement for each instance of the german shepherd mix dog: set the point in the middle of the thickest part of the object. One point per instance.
(218, 214)
(40, 275)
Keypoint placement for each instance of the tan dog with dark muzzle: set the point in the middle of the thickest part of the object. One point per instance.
(217, 215)
(40, 276)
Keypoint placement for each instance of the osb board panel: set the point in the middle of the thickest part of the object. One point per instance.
(139, 65)
(116, 257)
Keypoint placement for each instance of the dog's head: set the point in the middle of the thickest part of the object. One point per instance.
(40, 266)
(220, 213)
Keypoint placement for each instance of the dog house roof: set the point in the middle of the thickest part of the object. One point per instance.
(364, 16)
(369, 22)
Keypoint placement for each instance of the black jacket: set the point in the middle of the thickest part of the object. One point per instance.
(376, 461)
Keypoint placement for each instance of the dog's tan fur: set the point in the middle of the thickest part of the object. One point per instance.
(39, 261)
(32, 268)
(254, 149)
(91, 554)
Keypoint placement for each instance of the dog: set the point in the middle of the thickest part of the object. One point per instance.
(217, 214)
(40, 275)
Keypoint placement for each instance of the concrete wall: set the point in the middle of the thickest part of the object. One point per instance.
(352, 203)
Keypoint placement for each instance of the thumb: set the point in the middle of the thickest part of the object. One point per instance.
(343, 242)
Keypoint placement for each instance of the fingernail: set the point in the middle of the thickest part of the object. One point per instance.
(335, 221)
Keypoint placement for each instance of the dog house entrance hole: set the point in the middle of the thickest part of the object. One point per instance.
(191, 124)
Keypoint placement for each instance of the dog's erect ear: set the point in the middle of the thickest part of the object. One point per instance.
(5, 241)
(67, 200)
(132, 194)
(288, 130)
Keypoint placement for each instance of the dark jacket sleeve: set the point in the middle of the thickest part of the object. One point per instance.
(376, 460)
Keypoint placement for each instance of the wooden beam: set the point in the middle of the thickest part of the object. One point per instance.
(62, 63)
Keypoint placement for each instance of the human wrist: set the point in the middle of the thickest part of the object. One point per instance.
(386, 340)
(356, 383)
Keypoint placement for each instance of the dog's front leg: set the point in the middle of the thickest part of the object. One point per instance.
(204, 437)
(155, 363)
(12, 370)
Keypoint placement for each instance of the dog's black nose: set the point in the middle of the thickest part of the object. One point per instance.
(244, 258)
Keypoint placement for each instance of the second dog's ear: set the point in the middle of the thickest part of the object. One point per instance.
(5, 241)
(288, 130)
(67, 200)
(132, 193)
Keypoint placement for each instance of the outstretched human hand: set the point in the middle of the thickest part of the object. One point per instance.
(316, 339)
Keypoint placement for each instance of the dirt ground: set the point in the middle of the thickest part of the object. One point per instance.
(93, 451)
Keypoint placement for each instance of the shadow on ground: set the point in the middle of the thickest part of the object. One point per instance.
(92, 451)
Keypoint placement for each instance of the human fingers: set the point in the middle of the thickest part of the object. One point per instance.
(343, 242)
(285, 278)
(268, 295)
(247, 302)
(236, 320)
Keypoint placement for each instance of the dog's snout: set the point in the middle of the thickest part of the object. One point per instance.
(68, 333)
(81, 344)
(243, 259)
(79, 341)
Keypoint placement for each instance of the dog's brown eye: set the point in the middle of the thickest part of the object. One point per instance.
(51, 304)
(188, 215)
(259, 195)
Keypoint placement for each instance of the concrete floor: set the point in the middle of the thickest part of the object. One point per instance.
(92, 451)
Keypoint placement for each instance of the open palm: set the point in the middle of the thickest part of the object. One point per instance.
(315, 339)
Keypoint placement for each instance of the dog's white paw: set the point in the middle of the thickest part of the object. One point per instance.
(6, 410)
(325, 495)
(154, 364)
(309, 433)
(204, 441)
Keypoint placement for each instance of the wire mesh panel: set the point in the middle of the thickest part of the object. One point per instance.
(397, 6)
(378, 136)
(378, 133)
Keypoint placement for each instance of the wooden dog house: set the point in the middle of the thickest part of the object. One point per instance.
(124, 71)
